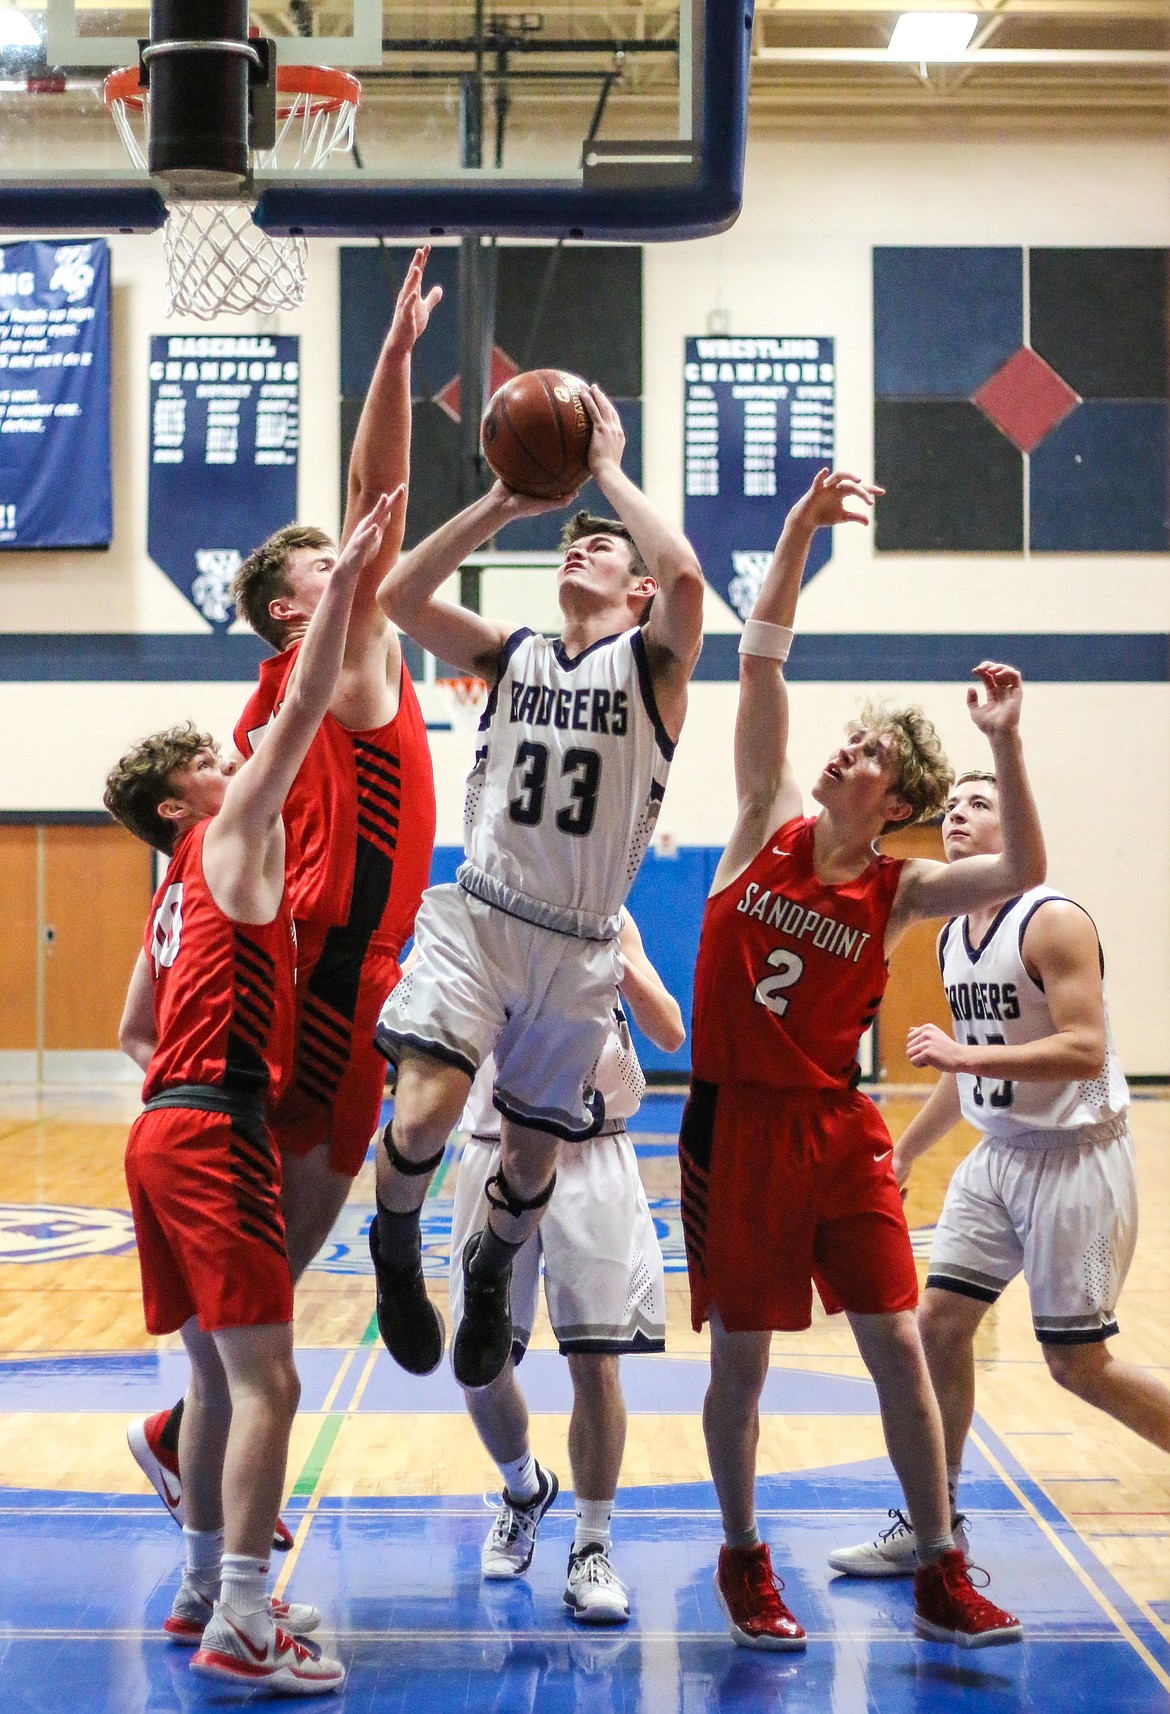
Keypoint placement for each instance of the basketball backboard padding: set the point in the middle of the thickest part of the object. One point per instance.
(634, 191)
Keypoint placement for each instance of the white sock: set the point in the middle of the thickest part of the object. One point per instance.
(204, 1551)
(953, 1473)
(593, 1521)
(245, 1584)
(750, 1537)
(929, 1551)
(520, 1478)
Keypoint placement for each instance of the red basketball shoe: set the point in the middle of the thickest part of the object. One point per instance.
(949, 1609)
(749, 1593)
(160, 1466)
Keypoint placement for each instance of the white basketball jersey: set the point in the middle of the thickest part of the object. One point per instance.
(567, 783)
(617, 1076)
(993, 1000)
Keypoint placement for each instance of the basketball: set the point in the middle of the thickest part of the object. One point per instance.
(536, 433)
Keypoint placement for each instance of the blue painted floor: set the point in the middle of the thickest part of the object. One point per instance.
(86, 1581)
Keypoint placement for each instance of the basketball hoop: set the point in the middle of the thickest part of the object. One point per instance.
(466, 696)
(218, 259)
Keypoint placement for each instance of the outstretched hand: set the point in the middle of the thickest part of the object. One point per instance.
(1000, 714)
(838, 497)
(412, 311)
(608, 440)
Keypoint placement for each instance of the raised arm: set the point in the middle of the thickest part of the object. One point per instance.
(408, 594)
(949, 889)
(137, 1032)
(1062, 952)
(656, 1011)
(674, 634)
(242, 860)
(939, 1113)
(766, 790)
(379, 461)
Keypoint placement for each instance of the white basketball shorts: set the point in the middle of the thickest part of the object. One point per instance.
(1066, 1216)
(603, 1274)
(488, 982)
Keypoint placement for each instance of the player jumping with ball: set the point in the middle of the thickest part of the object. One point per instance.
(519, 956)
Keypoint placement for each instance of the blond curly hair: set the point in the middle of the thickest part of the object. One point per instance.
(924, 776)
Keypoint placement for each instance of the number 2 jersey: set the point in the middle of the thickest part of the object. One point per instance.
(223, 990)
(995, 1001)
(790, 972)
(567, 783)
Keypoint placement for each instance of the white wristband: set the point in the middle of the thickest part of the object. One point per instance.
(761, 638)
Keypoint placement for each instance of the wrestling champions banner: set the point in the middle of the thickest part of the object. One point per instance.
(758, 426)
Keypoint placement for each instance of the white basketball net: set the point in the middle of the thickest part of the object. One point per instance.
(218, 260)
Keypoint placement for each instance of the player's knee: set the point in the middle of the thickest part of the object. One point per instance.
(595, 1375)
(1075, 1368)
(739, 1369)
(414, 1143)
(941, 1322)
(211, 1393)
(282, 1387)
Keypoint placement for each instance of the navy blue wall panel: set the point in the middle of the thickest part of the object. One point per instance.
(1100, 481)
(944, 319)
(953, 483)
(1100, 318)
(959, 429)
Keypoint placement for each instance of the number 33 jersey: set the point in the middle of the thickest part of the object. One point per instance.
(568, 780)
(994, 1001)
(790, 971)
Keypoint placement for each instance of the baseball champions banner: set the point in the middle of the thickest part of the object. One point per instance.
(759, 417)
(55, 395)
(224, 435)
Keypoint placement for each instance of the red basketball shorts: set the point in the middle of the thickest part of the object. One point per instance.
(783, 1189)
(339, 1077)
(206, 1203)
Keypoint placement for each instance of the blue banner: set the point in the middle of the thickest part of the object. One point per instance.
(55, 395)
(759, 425)
(224, 433)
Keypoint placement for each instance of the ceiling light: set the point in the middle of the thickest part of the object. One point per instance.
(17, 30)
(932, 35)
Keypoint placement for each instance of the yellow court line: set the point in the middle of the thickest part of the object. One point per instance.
(1082, 1575)
(305, 1524)
(343, 1370)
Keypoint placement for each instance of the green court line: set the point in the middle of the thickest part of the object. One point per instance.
(310, 1474)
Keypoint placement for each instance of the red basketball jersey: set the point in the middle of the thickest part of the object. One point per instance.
(223, 990)
(790, 971)
(360, 817)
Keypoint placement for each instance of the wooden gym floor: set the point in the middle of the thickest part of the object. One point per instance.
(1069, 1511)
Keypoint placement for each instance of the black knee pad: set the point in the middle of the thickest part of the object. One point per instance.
(408, 1168)
(501, 1195)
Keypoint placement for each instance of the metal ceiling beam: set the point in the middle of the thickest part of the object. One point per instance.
(1143, 59)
